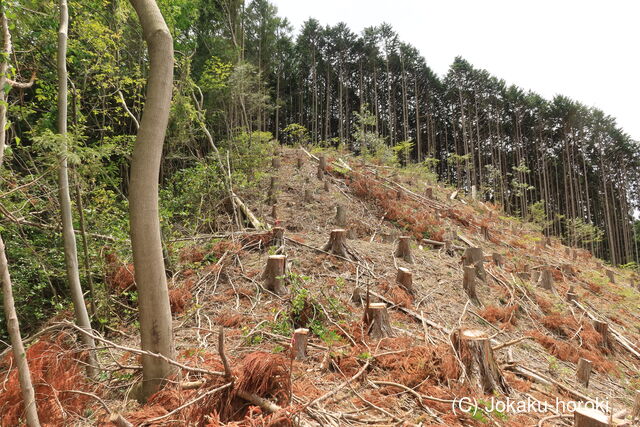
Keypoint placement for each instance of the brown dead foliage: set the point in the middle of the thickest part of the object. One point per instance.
(54, 371)
(505, 315)
(179, 299)
(191, 254)
(230, 319)
(568, 352)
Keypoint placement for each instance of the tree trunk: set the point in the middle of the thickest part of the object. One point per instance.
(68, 234)
(153, 297)
(474, 350)
(274, 272)
(376, 320)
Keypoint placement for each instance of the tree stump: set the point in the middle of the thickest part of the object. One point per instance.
(566, 269)
(274, 272)
(428, 192)
(535, 276)
(469, 284)
(572, 295)
(327, 186)
(341, 216)
(322, 166)
(605, 339)
(567, 251)
(376, 321)
(404, 249)
(546, 280)
(474, 351)
(299, 343)
(273, 188)
(308, 196)
(574, 255)
(275, 162)
(498, 259)
(485, 232)
(585, 416)
(475, 257)
(337, 244)
(404, 279)
(277, 236)
(274, 211)
(611, 276)
(474, 192)
(448, 248)
(399, 195)
(299, 162)
(583, 372)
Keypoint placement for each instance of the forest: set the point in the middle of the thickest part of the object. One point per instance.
(85, 189)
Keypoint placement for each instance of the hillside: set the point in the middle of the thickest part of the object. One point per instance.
(438, 335)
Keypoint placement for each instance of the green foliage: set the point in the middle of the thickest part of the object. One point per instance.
(215, 74)
(366, 140)
(402, 151)
(580, 231)
(296, 134)
(538, 215)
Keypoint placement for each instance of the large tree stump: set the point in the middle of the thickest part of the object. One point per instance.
(376, 321)
(337, 244)
(341, 216)
(404, 249)
(605, 339)
(322, 166)
(277, 236)
(273, 274)
(583, 372)
(498, 259)
(475, 257)
(585, 416)
(474, 351)
(469, 284)
(299, 343)
(404, 279)
(546, 280)
(611, 275)
(428, 192)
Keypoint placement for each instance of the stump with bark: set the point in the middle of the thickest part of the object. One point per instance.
(376, 321)
(535, 276)
(322, 166)
(448, 248)
(277, 236)
(274, 211)
(485, 232)
(585, 416)
(474, 351)
(428, 193)
(546, 280)
(583, 372)
(469, 285)
(605, 338)
(273, 274)
(337, 244)
(341, 216)
(299, 343)
(475, 257)
(308, 196)
(404, 278)
(327, 186)
(611, 276)
(574, 255)
(275, 162)
(399, 195)
(299, 162)
(498, 259)
(572, 295)
(404, 249)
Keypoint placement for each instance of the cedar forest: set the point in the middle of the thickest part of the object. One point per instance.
(149, 156)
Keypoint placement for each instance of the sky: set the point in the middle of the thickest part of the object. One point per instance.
(587, 50)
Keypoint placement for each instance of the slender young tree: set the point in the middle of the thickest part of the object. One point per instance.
(68, 233)
(11, 316)
(153, 296)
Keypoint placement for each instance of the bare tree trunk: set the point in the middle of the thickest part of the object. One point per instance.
(153, 296)
(68, 234)
(11, 317)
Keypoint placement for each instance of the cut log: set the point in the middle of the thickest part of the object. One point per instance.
(475, 257)
(404, 249)
(586, 416)
(404, 279)
(337, 244)
(341, 216)
(605, 338)
(274, 274)
(277, 236)
(469, 284)
(546, 280)
(376, 321)
(428, 192)
(583, 373)
(611, 276)
(299, 343)
(247, 213)
(474, 351)
(498, 259)
(322, 166)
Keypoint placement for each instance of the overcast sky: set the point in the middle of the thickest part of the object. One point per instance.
(587, 50)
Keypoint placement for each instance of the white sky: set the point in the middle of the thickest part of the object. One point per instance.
(587, 50)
